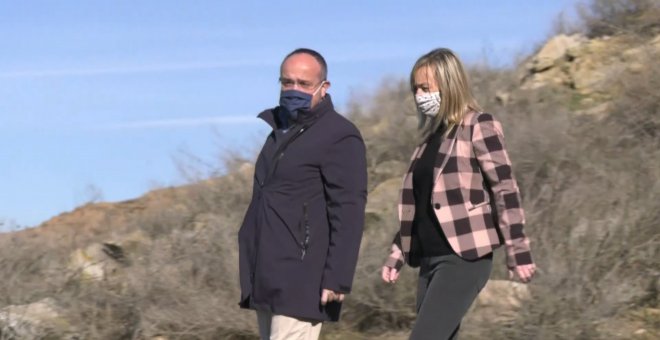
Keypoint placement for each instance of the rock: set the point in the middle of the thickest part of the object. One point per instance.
(502, 98)
(640, 331)
(38, 320)
(552, 64)
(499, 302)
(503, 294)
(98, 261)
(103, 260)
(596, 111)
(636, 67)
(588, 66)
(554, 50)
(131, 243)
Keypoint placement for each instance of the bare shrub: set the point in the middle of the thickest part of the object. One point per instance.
(181, 284)
(187, 285)
(590, 186)
(24, 263)
(609, 17)
(590, 189)
(387, 122)
(187, 281)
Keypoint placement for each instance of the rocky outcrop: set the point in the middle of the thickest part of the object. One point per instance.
(554, 52)
(98, 261)
(39, 320)
(589, 67)
(106, 261)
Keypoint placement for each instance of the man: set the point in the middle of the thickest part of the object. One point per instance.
(301, 234)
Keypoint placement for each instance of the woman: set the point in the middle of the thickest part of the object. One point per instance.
(459, 200)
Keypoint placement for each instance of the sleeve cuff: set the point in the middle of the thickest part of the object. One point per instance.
(394, 262)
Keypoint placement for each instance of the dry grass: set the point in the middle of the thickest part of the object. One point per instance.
(591, 189)
(610, 17)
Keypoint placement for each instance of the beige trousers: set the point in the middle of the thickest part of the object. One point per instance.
(280, 327)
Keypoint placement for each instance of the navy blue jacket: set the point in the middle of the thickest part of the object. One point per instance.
(302, 230)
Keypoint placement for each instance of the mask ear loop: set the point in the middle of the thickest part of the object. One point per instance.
(320, 86)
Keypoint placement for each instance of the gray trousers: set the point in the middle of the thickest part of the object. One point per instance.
(447, 287)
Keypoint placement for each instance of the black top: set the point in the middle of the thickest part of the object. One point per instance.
(427, 236)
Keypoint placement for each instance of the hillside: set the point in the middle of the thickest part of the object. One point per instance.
(582, 121)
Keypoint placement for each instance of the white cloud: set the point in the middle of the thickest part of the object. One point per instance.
(182, 122)
(82, 72)
(195, 66)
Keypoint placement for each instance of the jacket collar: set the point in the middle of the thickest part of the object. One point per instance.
(324, 106)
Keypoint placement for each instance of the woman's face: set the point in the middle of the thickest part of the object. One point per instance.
(425, 81)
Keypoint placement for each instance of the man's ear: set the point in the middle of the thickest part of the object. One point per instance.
(324, 88)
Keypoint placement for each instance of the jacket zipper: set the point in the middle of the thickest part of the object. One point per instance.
(305, 243)
(279, 153)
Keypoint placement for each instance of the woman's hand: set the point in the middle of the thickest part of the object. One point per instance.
(389, 274)
(524, 272)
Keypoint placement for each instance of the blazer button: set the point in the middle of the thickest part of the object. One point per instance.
(436, 206)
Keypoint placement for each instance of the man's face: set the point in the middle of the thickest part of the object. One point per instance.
(303, 73)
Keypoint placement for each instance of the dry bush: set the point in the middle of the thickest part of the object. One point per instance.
(590, 187)
(609, 17)
(387, 122)
(182, 283)
(186, 283)
(32, 268)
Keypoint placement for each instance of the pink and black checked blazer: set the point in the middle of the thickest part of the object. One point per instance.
(472, 152)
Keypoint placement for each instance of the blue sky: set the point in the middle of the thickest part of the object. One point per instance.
(102, 96)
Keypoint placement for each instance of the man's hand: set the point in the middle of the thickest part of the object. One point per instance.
(328, 296)
(390, 275)
(524, 272)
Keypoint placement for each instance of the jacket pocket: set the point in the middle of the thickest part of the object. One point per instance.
(471, 206)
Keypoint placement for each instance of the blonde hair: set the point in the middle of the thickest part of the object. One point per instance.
(451, 79)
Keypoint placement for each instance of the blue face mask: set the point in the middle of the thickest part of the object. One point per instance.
(292, 102)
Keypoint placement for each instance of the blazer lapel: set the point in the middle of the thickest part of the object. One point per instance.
(415, 156)
(406, 199)
(444, 151)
